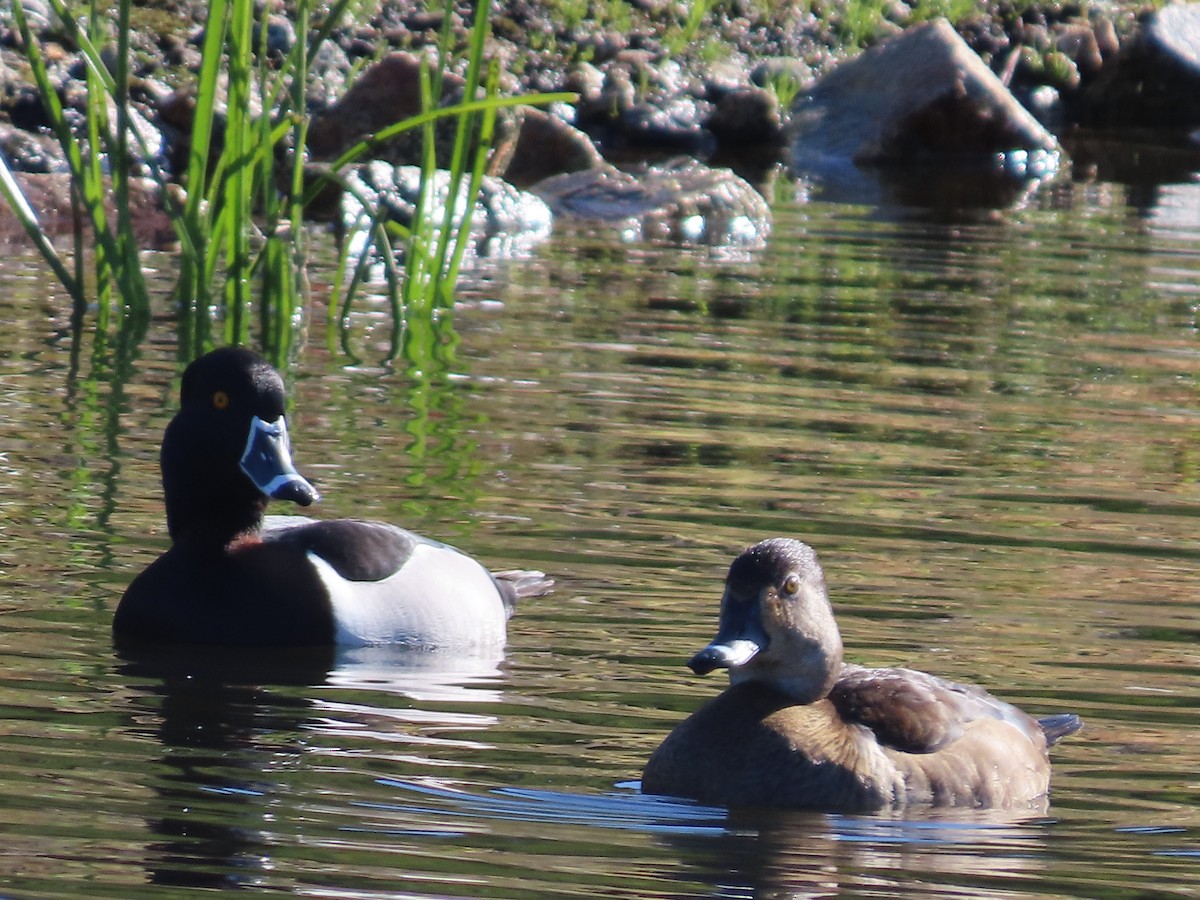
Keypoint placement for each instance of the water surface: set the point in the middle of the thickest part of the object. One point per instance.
(985, 423)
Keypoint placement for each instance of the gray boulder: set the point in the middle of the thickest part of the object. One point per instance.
(687, 202)
(922, 96)
(505, 222)
(547, 145)
(388, 92)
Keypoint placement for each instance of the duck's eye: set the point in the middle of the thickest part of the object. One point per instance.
(220, 400)
(791, 584)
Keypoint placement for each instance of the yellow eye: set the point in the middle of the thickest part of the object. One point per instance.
(791, 584)
(220, 400)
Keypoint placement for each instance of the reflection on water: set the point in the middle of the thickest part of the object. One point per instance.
(757, 853)
(986, 424)
(227, 725)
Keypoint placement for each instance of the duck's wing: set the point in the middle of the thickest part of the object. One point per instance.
(361, 550)
(916, 712)
(357, 550)
(386, 585)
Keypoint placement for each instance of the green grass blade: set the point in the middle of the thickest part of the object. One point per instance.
(463, 236)
(18, 202)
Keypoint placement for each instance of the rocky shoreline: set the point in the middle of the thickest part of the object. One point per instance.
(741, 86)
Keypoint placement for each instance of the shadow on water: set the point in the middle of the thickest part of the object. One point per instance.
(813, 855)
(1146, 164)
(945, 194)
(1133, 158)
(228, 723)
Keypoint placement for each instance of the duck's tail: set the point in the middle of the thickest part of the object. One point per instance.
(517, 583)
(1058, 727)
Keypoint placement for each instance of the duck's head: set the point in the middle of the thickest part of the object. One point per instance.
(776, 624)
(226, 452)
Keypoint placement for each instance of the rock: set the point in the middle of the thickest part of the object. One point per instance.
(327, 81)
(688, 202)
(730, 75)
(746, 116)
(1133, 159)
(385, 93)
(1105, 33)
(49, 195)
(620, 120)
(178, 53)
(672, 126)
(1174, 31)
(424, 20)
(922, 96)
(24, 107)
(281, 36)
(506, 221)
(600, 45)
(782, 70)
(1078, 42)
(598, 108)
(585, 80)
(1155, 82)
(389, 92)
(176, 112)
(38, 13)
(546, 146)
(26, 151)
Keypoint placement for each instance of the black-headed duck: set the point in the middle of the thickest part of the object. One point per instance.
(233, 576)
(800, 728)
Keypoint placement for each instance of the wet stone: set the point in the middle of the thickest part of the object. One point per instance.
(505, 221)
(546, 146)
(25, 151)
(687, 201)
(923, 96)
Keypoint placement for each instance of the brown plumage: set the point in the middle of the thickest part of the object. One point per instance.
(799, 728)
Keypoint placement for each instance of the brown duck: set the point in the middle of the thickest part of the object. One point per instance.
(799, 728)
